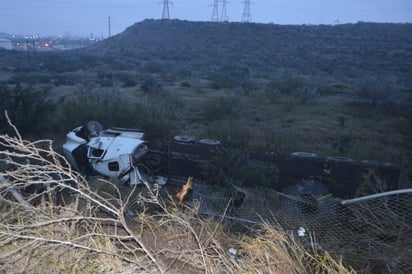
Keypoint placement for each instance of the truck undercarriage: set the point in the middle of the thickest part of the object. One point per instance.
(123, 153)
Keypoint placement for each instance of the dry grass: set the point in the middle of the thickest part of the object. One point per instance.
(72, 227)
(329, 125)
(276, 251)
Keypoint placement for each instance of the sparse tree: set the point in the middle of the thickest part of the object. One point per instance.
(374, 90)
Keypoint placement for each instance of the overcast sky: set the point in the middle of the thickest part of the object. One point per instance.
(83, 17)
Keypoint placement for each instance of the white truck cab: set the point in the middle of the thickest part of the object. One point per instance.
(113, 152)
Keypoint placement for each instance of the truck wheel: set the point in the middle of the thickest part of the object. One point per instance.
(184, 138)
(338, 159)
(210, 142)
(307, 193)
(373, 163)
(313, 187)
(304, 155)
(93, 129)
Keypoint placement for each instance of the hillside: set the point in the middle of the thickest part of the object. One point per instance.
(343, 90)
(340, 51)
(5, 35)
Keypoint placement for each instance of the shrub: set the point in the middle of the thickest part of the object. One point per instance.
(219, 108)
(106, 106)
(153, 67)
(185, 84)
(306, 94)
(286, 84)
(373, 90)
(233, 167)
(126, 79)
(151, 86)
(230, 77)
(154, 114)
(29, 108)
(156, 118)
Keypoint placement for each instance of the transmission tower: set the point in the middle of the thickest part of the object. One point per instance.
(166, 14)
(223, 16)
(215, 14)
(246, 17)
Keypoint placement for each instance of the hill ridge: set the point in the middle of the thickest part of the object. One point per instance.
(266, 47)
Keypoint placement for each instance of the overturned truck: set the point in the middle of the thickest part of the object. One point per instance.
(114, 152)
(123, 153)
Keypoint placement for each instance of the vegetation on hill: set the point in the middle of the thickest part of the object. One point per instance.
(341, 51)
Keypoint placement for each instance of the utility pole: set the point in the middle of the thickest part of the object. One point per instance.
(166, 14)
(223, 16)
(215, 13)
(109, 24)
(246, 17)
(34, 45)
(28, 49)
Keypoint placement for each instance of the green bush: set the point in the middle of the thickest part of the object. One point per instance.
(153, 114)
(151, 86)
(220, 108)
(156, 117)
(31, 78)
(232, 166)
(128, 81)
(286, 84)
(106, 107)
(373, 90)
(153, 67)
(230, 77)
(28, 108)
(305, 94)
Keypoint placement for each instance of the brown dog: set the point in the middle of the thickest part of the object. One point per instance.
(183, 192)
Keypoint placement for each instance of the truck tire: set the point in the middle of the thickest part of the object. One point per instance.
(338, 159)
(209, 142)
(93, 129)
(184, 138)
(309, 197)
(373, 163)
(304, 155)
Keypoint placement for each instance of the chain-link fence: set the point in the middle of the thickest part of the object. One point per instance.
(372, 233)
